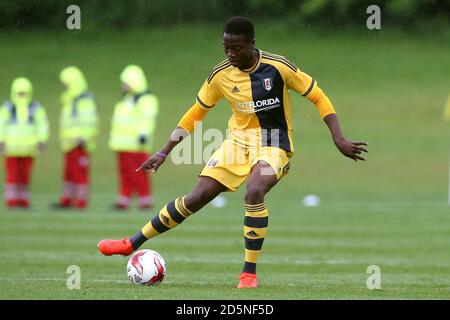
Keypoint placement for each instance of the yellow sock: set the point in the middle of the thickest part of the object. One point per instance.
(169, 217)
(255, 230)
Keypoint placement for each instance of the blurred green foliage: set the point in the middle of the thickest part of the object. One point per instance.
(129, 13)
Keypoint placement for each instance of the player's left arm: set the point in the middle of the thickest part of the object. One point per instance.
(307, 87)
(348, 148)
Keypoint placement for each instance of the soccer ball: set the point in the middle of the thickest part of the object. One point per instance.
(146, 267)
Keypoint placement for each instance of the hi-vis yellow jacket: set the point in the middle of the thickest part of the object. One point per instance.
(134, 119)
(23, 122)
(78, 117)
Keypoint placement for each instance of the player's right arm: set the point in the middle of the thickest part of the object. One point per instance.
(185, 126)
(206, 99)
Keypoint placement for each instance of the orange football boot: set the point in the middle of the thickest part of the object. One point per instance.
(109, 247)
(248, 280)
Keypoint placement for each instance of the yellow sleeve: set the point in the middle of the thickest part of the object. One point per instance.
(300, 81)
(321, 101)
(305, 85)
(206, 99)
(194, 115)
(210, 92)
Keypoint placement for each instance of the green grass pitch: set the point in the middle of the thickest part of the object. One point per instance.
(389, 89)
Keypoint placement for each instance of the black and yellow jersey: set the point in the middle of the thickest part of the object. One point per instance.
(259, 99)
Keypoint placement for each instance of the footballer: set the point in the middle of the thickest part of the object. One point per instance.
(258, 147)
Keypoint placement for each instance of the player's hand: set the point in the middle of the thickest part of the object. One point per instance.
(152, 163)
(352, 149)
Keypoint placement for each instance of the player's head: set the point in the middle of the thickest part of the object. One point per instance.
(239, 41)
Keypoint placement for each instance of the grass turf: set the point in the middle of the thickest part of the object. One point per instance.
(389, 89)
(313, 253)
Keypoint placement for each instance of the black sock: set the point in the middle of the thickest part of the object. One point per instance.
(137, 240)
(249, 267)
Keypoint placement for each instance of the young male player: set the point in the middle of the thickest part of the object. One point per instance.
(259, 146)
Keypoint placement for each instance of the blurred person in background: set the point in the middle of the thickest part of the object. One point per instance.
(24, 130)
(132, 129)
(78, 132)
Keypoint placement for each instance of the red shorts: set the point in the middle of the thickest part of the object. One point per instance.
(130, 180)
(76, 166)
(18, 170)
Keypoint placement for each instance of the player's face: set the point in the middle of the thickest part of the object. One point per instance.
(238, 50)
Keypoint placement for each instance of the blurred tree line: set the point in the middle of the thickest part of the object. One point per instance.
(128, 13)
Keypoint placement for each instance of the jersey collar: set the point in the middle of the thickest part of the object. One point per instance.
(255, 66)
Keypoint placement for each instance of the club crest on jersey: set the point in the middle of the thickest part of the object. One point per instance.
(267, 82)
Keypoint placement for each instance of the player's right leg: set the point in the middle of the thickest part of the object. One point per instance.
(171, 215)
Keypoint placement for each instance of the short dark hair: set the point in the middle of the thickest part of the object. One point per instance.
(240, 25)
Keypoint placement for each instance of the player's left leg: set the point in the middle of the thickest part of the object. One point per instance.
(262, 178)
(270, 164)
